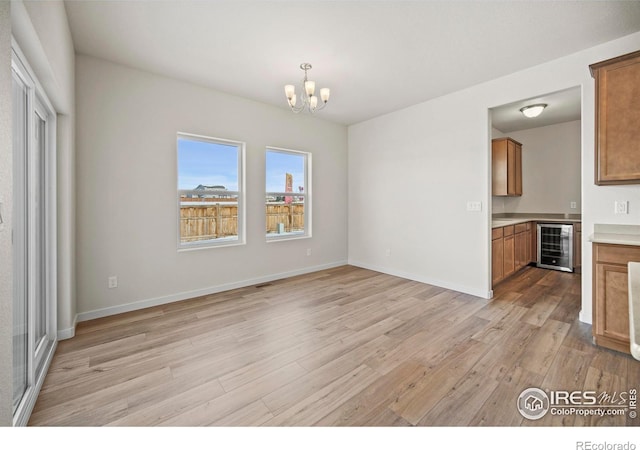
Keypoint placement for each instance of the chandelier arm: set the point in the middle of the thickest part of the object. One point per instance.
(320, 108)
(297, 109)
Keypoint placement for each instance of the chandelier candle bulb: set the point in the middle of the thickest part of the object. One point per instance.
(310, 87)
(324, 94)
(289, 91)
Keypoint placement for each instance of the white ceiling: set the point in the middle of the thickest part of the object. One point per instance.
(376, 56)
(563, 106)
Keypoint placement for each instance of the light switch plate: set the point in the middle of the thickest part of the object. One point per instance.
(574, 205)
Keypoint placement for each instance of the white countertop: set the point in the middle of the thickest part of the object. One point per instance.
(616, 234)
(507, 221)
(634, 308)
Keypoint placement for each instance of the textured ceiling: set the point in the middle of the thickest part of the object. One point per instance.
(376, 56)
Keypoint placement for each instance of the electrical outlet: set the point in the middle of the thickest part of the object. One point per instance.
(308, 252)
(113, 282)
(474, 206)
(574, 205)
(621, 207)
(388, 252)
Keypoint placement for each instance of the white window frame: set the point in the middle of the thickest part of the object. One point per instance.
(39, 354)
(214, 243)
(307, 196)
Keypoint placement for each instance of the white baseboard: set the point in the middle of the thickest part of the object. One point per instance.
(68, 333)
(422, 279)
(141, 304)
(584, 318)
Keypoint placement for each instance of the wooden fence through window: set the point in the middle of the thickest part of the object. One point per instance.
(218, 220)
(291, 215)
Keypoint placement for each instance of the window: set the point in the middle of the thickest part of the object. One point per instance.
(288, 194)
(210, 192)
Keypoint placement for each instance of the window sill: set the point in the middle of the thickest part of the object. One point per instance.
(210, 245)
(286, 237)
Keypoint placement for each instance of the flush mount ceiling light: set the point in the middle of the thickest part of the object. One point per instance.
(309, 100)
(533, 110)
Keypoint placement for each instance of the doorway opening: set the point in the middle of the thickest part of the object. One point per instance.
(536, 179)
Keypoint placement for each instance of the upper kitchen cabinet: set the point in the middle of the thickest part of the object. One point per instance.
(506, 157)
(617, 118)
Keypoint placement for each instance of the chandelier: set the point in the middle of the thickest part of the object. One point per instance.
(309, 100)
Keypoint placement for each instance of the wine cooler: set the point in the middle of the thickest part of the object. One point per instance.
(555, 246)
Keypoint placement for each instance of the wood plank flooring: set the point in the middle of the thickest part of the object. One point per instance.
(340, 347)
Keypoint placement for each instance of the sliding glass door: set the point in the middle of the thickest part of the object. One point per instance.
(34, 249)
(20, 268)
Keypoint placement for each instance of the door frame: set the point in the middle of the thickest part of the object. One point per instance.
(38, 359)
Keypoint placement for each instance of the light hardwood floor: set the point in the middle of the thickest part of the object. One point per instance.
(345, 346)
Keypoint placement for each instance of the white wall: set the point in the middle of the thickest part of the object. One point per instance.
(411, 173)
(42, 32)
(127, 225)
(551, 170)
(6, 196)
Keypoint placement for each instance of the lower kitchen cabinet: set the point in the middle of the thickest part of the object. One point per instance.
(521, 245)
(497, 261)
(534, 242)
(511, 250)
(611, 294)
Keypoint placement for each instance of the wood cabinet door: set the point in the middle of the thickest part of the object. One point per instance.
(519, 250)
(611, 305)
(518, 170)
(499, 167)
(617, 118)
(511, 168)
(527, 248)
(506, 167)
(509, 256)
(534, 242)
(497, 260)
